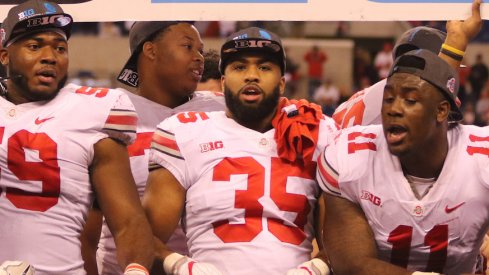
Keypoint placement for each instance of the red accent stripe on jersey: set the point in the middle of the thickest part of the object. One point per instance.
(329, 178)
(121, 120)
(328, 175)
(165, 140)
(130, 119)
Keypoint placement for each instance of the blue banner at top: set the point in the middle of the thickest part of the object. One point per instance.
(229, 1)
(422, 1)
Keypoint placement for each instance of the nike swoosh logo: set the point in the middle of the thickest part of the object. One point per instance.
(450, 210)
(39, 121)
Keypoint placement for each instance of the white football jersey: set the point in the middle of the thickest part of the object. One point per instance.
(149, 115)
(362, 108)
(247, 210)
(443, 231)
(46, 149)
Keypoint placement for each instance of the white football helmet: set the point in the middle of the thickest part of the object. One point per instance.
(16, 268)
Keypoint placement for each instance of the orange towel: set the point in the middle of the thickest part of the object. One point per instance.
(296, 129)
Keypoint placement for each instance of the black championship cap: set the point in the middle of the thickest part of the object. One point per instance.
(140, 33)
(419, 38)
(431, 68)
(34, 16)
(252, 39)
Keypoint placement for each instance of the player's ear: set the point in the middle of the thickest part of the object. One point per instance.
(443, 111)
(282, 85)
(4, 58)
(223, 81)
(149, 50)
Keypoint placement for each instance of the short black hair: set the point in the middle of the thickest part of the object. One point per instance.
(211, 66)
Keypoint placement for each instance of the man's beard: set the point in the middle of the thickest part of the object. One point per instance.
(250, 114)
(20, 80)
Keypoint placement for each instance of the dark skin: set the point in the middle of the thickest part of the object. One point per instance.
(176, 53)
(41, 60)
(422, 112)
(252, 71)
(163, 186)
(420, 108)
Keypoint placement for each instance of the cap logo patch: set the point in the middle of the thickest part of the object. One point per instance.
(265, 35)
(129, 77)
(240, 44)
(62, 21)
(25, 14)
(451, 85)
(49, 8)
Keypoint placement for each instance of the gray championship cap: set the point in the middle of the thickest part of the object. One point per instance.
(431, 68)
(140, 33)
(252, 39)
(34, 16)
(419, 38)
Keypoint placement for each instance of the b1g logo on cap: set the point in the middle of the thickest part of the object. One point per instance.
(25, 14)
(451, 85)
(241, 44)
(57, 20)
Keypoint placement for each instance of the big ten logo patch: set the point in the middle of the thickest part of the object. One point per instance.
(371, 197)
(211, 146)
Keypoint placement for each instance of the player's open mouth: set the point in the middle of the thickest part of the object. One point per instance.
(46, 76)
(251, 93)
(395, 134)
(197, 74)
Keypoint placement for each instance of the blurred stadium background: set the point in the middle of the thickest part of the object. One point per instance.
(99, 50)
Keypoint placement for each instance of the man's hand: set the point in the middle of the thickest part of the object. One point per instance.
(176, 264)
(313, 267)
(460, 32)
